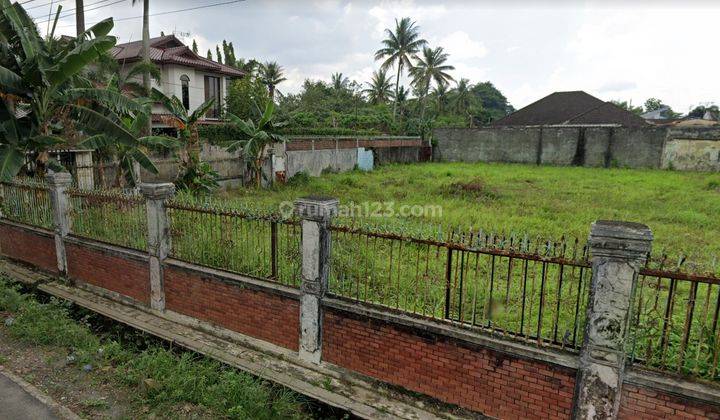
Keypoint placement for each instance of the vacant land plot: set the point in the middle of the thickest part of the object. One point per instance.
(682, 208)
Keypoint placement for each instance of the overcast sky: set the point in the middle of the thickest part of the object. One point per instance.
(615, 50)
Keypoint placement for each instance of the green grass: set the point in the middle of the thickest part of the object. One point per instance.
(176, 378)
(681, 208)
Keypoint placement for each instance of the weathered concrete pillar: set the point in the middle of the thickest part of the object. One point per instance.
(316, 213)
(618, 251)
(158, 239)
(59, 182)
(84, 169)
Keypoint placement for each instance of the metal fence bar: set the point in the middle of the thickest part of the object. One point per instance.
(26, 201)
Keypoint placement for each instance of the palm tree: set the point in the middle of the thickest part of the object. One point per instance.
(440, 92)
(399, 47)
(428, 68)
(380, 88)
(271, 74)
(462, 98)
(339, 82)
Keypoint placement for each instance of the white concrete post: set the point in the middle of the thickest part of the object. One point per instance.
(59, 182)
(618, 250)
(316, 214)
(158, 239)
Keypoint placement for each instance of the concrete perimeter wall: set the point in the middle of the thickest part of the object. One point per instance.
(651, 147)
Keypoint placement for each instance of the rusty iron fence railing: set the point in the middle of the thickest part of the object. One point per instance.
(111, 216)
(675, 320)
(26, 201)
(531, 290)
(264, 246)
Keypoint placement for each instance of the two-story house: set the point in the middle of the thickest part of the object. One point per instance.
(188, 76)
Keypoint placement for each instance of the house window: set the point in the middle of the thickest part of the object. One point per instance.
(212, 91)
(185, 83)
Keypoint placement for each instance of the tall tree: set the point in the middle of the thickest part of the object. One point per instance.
(271, 74)
(79, 17)
(399, 46)
(338, 81)
(429, 67)
(440, 92)
(380, 88)
(209, 54)
(194, 47)
(218, 54)
(462, 98)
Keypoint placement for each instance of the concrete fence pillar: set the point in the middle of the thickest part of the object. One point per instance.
(158, 237)
(59, 182)
(315, 214)
(618, 250)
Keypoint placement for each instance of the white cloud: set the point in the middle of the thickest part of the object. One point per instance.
(461, 47)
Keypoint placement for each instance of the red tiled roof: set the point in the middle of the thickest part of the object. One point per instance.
(170, 50)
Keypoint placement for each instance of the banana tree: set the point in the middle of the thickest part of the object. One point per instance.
(192, 172)
(127, 155)
(259, 139)
(43, 91)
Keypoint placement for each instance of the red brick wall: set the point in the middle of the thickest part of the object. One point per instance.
(123, 275)
(262, 315)
(643, 403)
(479, 379)
(28, 246)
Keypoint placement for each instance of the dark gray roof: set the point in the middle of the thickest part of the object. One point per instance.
(570, 108)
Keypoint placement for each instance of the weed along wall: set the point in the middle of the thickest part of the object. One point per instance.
(687, 148)
(509, 332)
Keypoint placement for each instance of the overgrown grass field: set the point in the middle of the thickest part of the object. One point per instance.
(681, 208)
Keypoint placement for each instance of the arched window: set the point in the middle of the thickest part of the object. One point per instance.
(185, 82)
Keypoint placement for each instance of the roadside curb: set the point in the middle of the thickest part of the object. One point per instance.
(57, 409)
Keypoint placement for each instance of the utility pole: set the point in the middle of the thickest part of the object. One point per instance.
(79, 17)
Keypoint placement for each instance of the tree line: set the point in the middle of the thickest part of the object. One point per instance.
(383, 104)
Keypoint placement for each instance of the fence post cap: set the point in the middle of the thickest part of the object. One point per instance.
(158, 191)
(617, 239)
(316, 207)
(59, 178)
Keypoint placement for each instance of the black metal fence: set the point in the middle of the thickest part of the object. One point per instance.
(675, 320)
(110, 216)
(264, 246)
(26, 201)
(533, 290)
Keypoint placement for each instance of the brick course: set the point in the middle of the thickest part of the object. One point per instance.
(28, 246)
(119, 274)
(644, 404)
(473, 377)
(262, 315)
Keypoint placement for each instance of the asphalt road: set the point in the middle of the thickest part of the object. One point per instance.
(17, 404)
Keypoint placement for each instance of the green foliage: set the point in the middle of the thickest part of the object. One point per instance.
(200, 178)
(247, 97)
(628, 106)
(44, 77)
(176, 378)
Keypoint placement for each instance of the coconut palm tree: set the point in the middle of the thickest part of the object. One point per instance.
(271, 74)
(430, 67)
(380, 88)
(440, 92)
(146, 54)
(339, 82)
(462, 99)
(399, 47)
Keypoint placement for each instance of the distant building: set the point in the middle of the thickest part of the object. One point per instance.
(662, 113)
(575, 108)
(190, 77)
